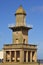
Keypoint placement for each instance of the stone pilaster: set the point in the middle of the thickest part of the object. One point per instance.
(35, 56)
(27, 56)
(21, 56)
(4, 56)
(31, 56)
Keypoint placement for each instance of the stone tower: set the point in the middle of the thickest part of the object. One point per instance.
(20, 50)
(20, 16)
(20, 31)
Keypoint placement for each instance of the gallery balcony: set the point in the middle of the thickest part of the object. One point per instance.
(19, 46)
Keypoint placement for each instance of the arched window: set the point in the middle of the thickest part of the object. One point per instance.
(17, 41)
(24, 41)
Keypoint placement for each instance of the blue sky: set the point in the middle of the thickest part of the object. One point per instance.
(34, 10)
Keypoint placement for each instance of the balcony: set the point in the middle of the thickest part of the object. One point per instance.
(19, 46)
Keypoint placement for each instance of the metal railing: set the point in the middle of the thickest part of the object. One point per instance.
(40, 61)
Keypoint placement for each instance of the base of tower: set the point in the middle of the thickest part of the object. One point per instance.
(12, 63)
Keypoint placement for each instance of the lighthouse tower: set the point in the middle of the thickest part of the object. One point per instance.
(20, 50)
(20, 30)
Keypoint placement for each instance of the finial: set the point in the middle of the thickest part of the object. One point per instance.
(20, 10)
(20, 5)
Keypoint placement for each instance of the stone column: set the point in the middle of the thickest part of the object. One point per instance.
(10, 56)
(21, 56)
(27, 56)
(35, 55)
(15, 56)
(31, 56)
(4, 56)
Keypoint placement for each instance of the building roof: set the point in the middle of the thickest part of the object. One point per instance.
(20, 10)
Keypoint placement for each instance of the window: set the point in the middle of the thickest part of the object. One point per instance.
(17, 41)
(24, 41)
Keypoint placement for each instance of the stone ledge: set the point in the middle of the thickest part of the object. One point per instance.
(12, 63)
